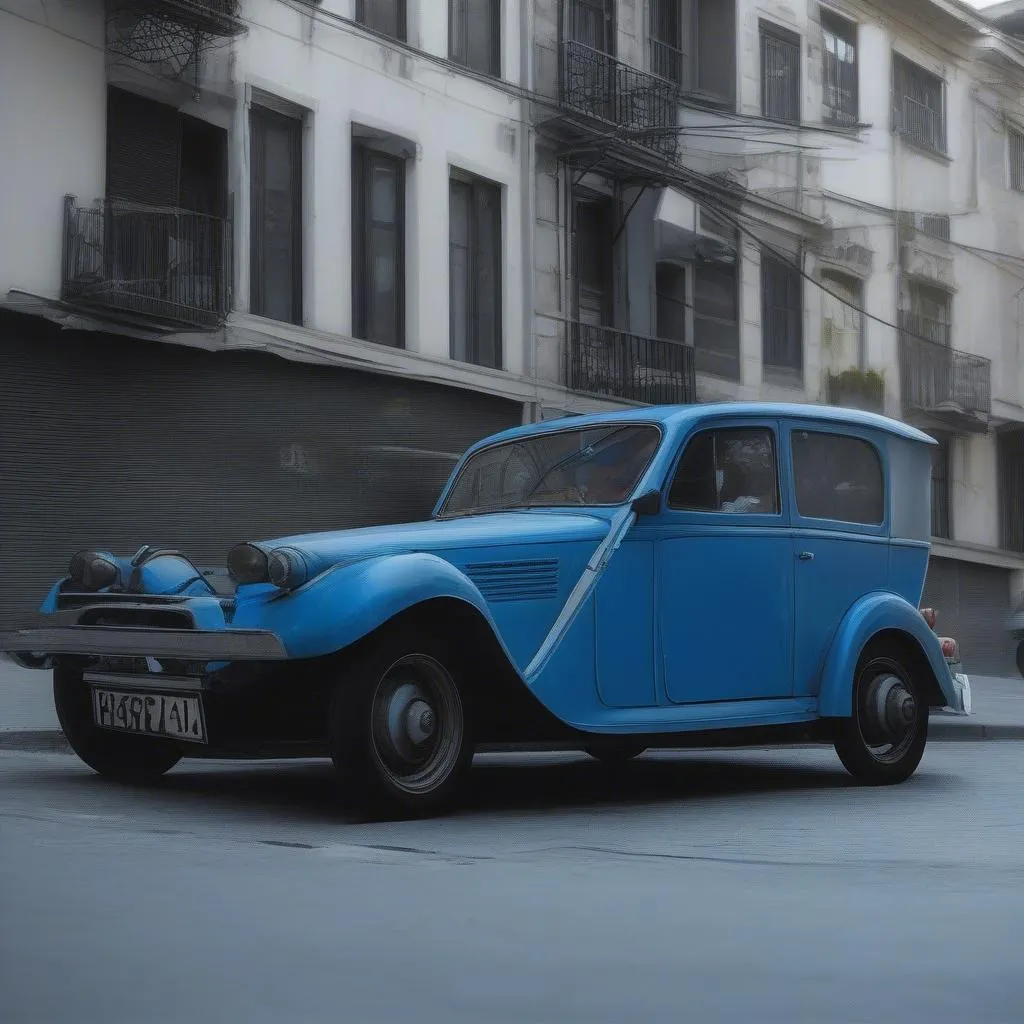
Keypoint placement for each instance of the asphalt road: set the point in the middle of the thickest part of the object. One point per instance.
(740, 887)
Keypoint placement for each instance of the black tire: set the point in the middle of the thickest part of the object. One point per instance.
(883, 741)
(395, 764)
(615, 752)
(1020, 657)
(133, 760)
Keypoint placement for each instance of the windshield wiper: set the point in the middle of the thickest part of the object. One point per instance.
(573, 457)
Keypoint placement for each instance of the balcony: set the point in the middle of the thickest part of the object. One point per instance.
(217, 18)
(604, 361)
(619, 102)
(159, 263)
(949, 388)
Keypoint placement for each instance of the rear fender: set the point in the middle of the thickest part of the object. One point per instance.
(347, 602)
(873, 614)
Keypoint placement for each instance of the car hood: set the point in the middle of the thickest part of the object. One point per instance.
(499, 529)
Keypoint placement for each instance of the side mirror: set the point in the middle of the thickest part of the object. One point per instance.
(648, 504)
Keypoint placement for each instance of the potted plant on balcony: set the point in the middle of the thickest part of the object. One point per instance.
(857, 389)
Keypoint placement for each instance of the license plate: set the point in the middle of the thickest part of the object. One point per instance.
(178, 716)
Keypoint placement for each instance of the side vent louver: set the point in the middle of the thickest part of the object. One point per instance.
(516, 581)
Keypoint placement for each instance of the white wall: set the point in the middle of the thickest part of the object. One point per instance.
(53, 123)
(341, 78)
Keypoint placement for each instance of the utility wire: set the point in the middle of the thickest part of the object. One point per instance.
(713, 200)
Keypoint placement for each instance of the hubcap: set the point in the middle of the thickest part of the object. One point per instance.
(889, 715)
(417, 724)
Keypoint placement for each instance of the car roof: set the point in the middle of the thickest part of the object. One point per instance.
(680, 417)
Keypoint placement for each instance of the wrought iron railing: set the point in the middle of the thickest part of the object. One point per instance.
(214, 17)
(934, 376)
(604, 361)
(643, 107)
(920, 124)
(158, 262)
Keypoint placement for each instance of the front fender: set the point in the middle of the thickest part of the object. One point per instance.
(872, 614)
(342, 605)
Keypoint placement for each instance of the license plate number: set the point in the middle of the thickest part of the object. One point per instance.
(178, 716)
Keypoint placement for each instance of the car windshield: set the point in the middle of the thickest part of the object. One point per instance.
(590, 466)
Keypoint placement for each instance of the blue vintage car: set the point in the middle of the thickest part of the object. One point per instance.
(656, 577)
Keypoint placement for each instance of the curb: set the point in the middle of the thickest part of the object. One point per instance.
(39, 741)
(961, 731)
(52, 741)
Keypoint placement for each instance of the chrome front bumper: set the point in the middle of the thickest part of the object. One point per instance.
(34, 647)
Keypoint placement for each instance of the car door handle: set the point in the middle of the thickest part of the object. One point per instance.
(805, 556)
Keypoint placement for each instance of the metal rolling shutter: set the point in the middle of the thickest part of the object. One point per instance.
(112, 443)
(973, 602)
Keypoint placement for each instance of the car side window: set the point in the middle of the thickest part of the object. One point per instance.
(838, 477)
(728, 470)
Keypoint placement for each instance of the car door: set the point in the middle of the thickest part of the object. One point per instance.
(724, 568)
(840, 539)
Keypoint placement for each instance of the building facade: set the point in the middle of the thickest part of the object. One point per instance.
(269, 265)
(261, 268)
(814, 203)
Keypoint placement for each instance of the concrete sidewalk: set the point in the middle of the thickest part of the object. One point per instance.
(29, 722)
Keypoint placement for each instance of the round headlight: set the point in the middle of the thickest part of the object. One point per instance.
(287, 568)
(247, 564)
(92, 570)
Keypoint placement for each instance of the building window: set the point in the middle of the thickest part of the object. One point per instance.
(940, 488)
(275, 271)
(731, 470)
(378, 246)
(593, 260)
(386, 16)
(840, 68)
(672, 36)
(918, 105)
(1011, 490)
(716, 333)
(670, 301)
(842, 324)
(592, 23)
(781, 318)
(780, 74)
(475, 271)
(930, 314)
(1016, 146)
(474, 35)
(838, 478)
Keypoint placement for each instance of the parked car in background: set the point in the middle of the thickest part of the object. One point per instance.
(654, 577)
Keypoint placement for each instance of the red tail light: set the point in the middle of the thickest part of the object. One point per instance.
(928, 614)
(950, 648)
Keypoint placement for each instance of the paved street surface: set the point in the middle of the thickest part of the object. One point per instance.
(721, 886)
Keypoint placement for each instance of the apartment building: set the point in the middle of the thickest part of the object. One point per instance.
(260, 266)
(813, 203)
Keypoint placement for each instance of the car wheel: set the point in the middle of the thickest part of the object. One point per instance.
(400, 732)
(615, 752)
(883, 741)
(1020, 657)
(134, 760)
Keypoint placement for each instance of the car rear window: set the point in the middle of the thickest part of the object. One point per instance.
(837, 477)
